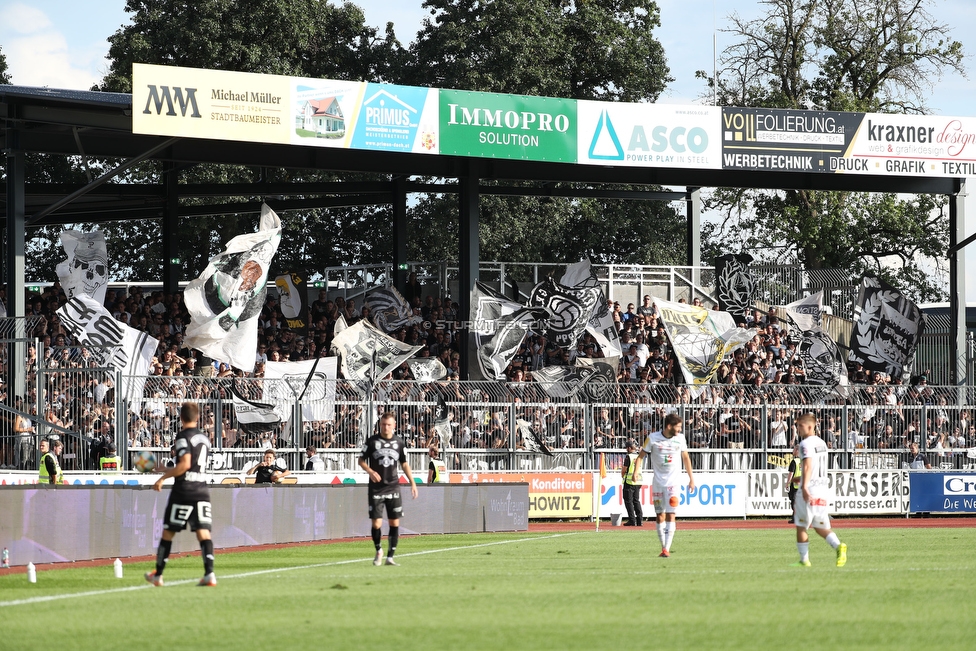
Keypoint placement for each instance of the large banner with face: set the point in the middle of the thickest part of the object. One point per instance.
(224, 302)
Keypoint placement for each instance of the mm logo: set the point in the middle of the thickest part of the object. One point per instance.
(185, 98)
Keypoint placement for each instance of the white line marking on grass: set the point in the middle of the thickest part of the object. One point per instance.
(96, 593)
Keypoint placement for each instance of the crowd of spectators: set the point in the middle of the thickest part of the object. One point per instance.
(750, 405)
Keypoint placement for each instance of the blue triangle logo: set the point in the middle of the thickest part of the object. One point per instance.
(604, 129)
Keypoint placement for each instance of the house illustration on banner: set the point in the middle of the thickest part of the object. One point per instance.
(322, 117)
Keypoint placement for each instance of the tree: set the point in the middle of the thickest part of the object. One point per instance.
(598, 50)
(4, 77)
(305, 38)
(838, 55)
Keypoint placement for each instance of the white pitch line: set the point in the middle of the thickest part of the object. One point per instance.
(95, 593)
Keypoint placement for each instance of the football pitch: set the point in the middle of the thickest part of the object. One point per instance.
(730, 589)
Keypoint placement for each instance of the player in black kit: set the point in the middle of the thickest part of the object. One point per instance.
(379, 459)
(189, 501)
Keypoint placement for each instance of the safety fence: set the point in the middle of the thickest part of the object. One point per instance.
(493, 426)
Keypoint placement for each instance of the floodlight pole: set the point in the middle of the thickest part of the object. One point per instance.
(957, 283)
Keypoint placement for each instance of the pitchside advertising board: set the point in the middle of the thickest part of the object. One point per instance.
(936, 492)
(192, 103)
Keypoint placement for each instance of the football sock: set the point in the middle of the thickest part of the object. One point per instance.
(833, 540)
(661, 529)
(394, 539)
(162, 553)
(377, 537)
(206, 550)
(669, 535)
(804, 549)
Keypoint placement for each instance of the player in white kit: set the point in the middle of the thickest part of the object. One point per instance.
(810, 503)
(665, 449)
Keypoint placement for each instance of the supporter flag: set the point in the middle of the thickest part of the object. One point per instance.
(806, 312)
(825, 373)
(700, 339)
(252, 416)
(86, 269)
(293, 300)
(602, 385)
(531, 440)
(225, 300)
(368, 355)
(498, 328)
(736, 284)
(112, 344)
(427, 369)
(442, 423)
(600, 323)
(570, 307)
(562, 381)
(390, 311)
(312, 382)
(887, 327)
(339, 326)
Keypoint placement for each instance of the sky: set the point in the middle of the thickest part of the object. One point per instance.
(63, 44)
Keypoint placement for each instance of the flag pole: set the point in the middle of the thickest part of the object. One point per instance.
(598, 487)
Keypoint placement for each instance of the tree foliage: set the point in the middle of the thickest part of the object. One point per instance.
(4, 75)
(838, 55)
(599, 50)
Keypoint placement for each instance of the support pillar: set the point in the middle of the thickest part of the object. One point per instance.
(400, 232)
(957, 283)
(173, 262)
(468, 257)
(693, 213)
(14, 267)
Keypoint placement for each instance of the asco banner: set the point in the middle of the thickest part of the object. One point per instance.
(937, 492)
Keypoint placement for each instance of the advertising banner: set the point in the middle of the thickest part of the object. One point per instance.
(716, 495)
(914, 145)
(852, 492)
(942, 492)
(783, 140)
(188, 102)
(649, 135)
(491, 125)
(397, 118)
(551, 495)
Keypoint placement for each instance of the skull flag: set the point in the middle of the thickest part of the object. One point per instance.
(86, 269)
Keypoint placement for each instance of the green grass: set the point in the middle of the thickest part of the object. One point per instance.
(901, 589)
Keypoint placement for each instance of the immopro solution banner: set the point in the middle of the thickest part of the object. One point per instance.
(492, 125)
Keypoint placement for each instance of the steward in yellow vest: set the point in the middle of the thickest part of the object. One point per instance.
(436, 469)
(50, 470)
(630, 471)
(111, 463)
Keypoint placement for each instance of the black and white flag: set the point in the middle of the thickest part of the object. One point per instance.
(700, 339)
(602, 385)
(887, 328)
(224, 302)
(390, 311)
(825, 372)
(736, 284)
(293, 300)
(531, 440)
(806, 313)
(442, 423)
(427, 369)
(571, 308)
(254, 417)
(311, 381)
(498, 327)
(86, 269)
(600, 323)
(563, 381)
(112, 344)
(368, 355)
